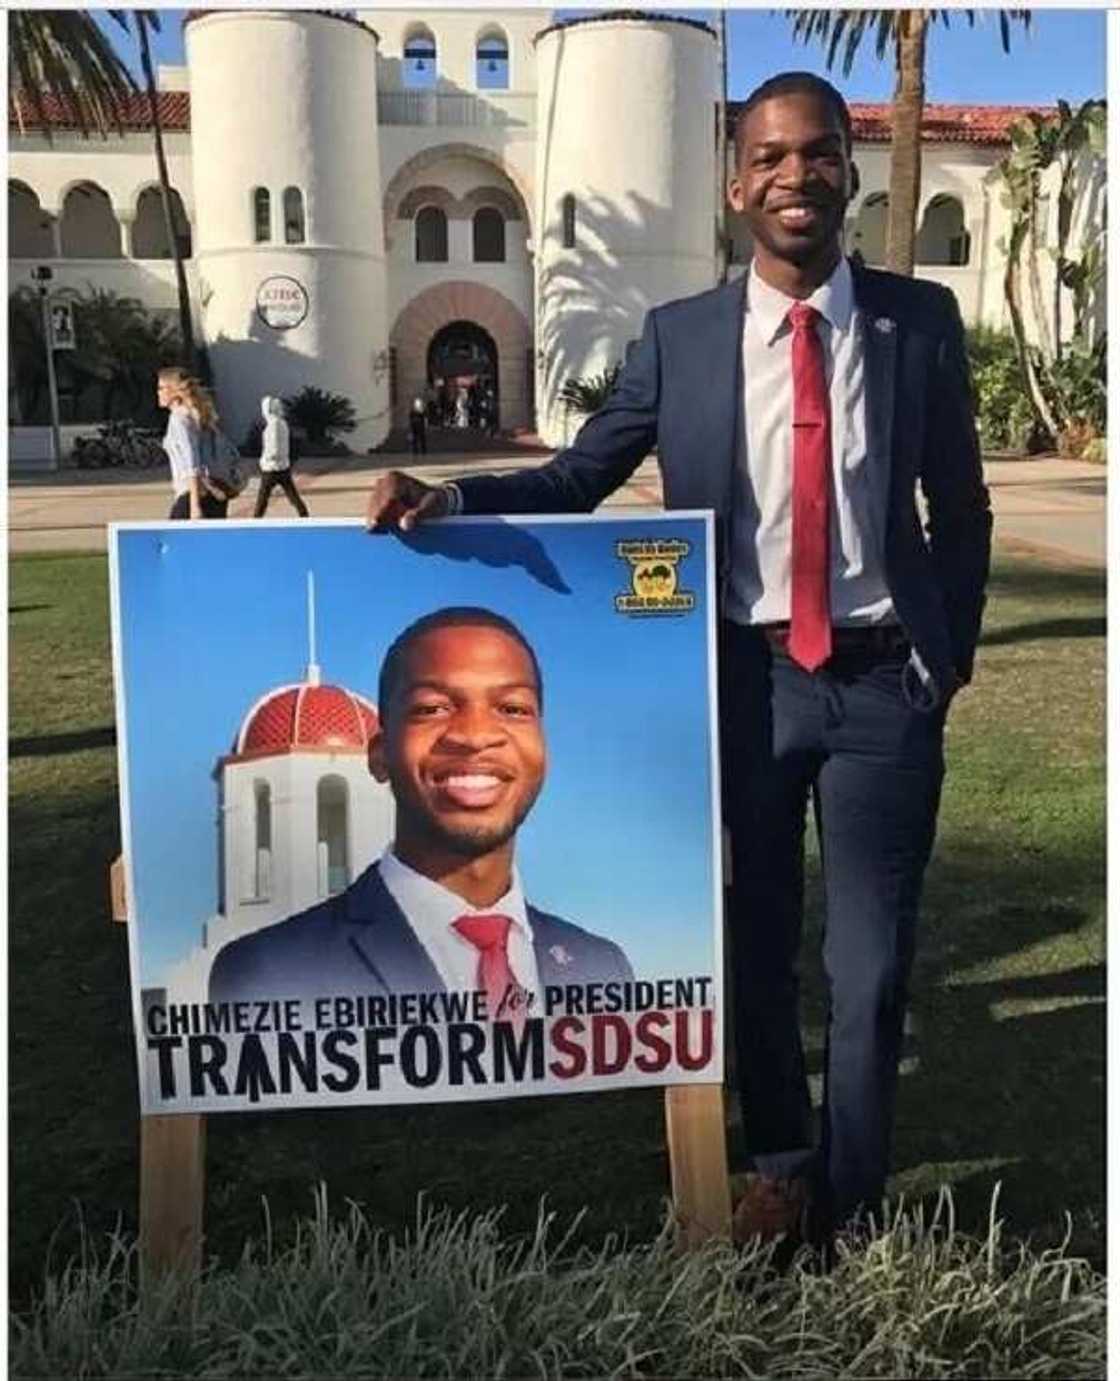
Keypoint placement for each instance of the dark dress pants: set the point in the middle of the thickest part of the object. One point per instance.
(847, 739)
(210, 506)
(272, 479)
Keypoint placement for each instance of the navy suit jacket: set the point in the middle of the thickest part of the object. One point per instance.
(682, 391)
(360, 942)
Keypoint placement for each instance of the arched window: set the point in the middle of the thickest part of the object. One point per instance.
(568, 219)
(295, 230)
(489, 236)
(332, 838)
(29, 226)
(869, 234)
(491, 61)
(262, 216)
(90, 229)
(942, 237)
(431, 236)
(262, 841)
(419, 67)
(149, 235)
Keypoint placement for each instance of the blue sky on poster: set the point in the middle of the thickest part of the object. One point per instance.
(1062, 55)
(618, 841)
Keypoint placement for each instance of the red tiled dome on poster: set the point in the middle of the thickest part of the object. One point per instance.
(307, 716)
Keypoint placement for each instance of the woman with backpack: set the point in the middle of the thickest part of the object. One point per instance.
(192, 436)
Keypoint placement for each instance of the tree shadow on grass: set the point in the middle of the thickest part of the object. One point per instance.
(1003, 1070)
(1032, 580)
(1046, 628)
(45, 745)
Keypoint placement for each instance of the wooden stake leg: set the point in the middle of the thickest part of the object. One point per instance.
(696, 1134)
(172, 1185)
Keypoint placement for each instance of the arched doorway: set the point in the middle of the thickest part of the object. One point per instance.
(438, 310)
(463, 377)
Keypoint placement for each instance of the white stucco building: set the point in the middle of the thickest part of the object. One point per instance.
(372, 203)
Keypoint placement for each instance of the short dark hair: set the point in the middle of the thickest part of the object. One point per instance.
(785, 84)
(455, 616)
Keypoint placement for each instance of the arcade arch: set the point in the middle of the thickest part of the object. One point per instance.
(30, 228)
(149, 237)
(942, 237)
(90, 229)
(869, 233)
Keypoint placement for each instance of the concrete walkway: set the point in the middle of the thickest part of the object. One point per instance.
(1050, 506)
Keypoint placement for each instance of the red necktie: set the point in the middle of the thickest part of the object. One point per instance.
(810, 620)
(505, 998)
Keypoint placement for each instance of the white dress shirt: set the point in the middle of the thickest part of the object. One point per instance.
(762, 506)
(431, 911)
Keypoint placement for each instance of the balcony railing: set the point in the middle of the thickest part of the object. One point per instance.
(460, 109)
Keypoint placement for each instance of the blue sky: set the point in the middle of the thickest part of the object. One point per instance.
(1063, 55)
(618, 841)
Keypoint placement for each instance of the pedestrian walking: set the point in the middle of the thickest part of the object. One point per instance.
(276, 459)
(192, 426)
(418, 427)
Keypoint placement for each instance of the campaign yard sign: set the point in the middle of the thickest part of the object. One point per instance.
(418, 817)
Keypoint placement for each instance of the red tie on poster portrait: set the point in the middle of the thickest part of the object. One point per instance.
(810, 632)
(490, 936)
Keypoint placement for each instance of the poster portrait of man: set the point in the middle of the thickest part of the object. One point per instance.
(425, 818)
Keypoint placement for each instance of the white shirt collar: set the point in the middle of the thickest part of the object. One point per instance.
(428, 906)
(834, 299)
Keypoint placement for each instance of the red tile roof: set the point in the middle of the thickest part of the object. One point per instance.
(174, 111)
(941, 124)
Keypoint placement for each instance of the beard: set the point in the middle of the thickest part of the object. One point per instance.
(466, 839)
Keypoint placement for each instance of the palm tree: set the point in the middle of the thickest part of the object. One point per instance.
(145, 20)
(905, 33)
(64, 56)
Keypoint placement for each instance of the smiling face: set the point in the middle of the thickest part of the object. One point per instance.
(793, 183)
(461, 744)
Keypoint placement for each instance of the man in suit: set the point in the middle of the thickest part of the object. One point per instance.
(804, 403)
(461, 745)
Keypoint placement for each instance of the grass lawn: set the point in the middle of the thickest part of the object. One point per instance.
(1005, 1060)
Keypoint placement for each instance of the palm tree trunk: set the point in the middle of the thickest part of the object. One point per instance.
(186, 329)
(906, 139)
(1012, 292)
(1034, 278)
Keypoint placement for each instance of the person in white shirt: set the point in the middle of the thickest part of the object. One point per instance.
(276, 459)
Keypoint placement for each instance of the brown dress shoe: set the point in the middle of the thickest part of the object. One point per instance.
(770, 1208)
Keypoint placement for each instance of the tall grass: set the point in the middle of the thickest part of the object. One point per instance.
(453, 1298)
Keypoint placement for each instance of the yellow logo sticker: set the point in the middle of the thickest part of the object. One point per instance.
(654, 578)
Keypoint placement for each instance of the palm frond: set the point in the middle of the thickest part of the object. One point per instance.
(64, 57)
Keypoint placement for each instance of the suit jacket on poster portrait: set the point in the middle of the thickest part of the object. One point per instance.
(682, 391)
(360, 942)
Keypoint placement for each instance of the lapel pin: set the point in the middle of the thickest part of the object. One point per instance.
(560, 954)
(884, 324)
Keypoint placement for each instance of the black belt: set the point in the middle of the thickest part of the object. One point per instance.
(870, 639)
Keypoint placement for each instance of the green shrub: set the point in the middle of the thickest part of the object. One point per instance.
(110, 376)
(319, 415)
(587, 395)
(453, 1298)
(1077, 386)
(1003, 410)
